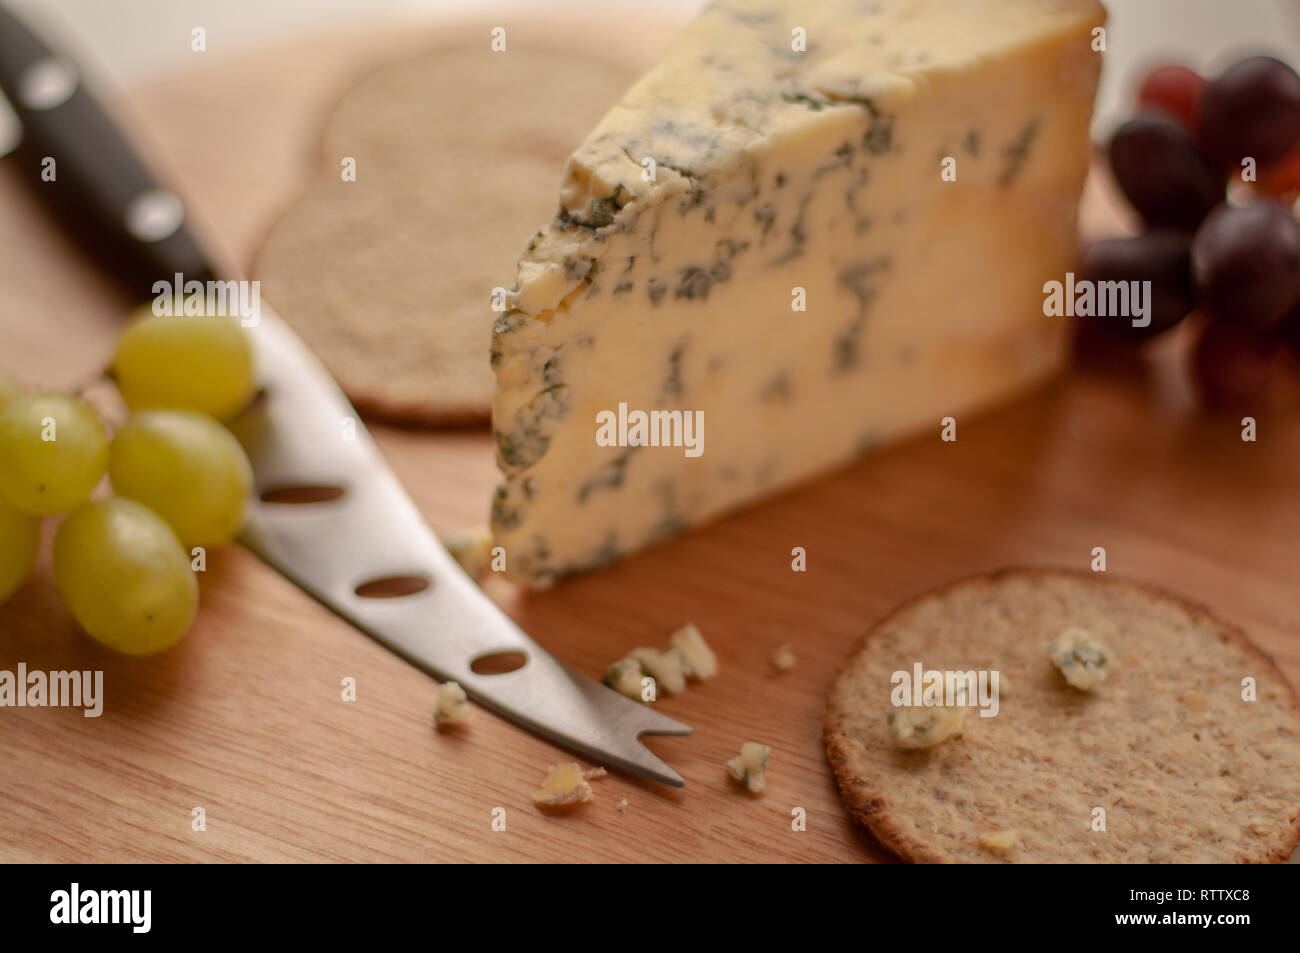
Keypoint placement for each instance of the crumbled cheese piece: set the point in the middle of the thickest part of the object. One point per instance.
(783, 659)
(472, 548)
(1080, 657)
(667, 668)
(688, 657)
(594, 774)
(452, 707)
(998, 840)
(624, 676)
(565, 785)
(750, 766)
(621, 806)
(701, 663)
(920, 726)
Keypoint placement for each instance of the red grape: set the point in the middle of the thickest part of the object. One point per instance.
(1281, 179)
(1251, 110)
(1157, 165)
(1235, 367)
(1175, 90)
(1246, 263)
(1161, 257)
(1290, 332)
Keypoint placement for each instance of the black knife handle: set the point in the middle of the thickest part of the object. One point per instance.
(101, 189)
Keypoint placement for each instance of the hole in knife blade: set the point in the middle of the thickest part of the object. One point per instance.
(392, 587)
(313, 493)
(498, 663)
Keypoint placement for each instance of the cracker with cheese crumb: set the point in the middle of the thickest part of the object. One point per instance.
(1184, 766)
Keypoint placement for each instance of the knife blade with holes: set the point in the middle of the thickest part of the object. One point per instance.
(328, 512)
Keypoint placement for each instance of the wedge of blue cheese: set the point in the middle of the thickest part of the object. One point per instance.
(786, 155)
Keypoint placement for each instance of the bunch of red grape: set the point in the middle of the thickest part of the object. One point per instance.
(1235, 261)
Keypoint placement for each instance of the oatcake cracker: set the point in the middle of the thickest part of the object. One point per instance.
(389, 278)
(536, 101)
(1184, 769)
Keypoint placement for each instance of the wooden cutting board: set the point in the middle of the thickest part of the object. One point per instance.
(245, 718)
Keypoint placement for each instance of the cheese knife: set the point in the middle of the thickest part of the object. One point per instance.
(328, 513)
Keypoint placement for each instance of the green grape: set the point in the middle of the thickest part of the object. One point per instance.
(185, 467)
(186, 362)
(53, 450)
(11, 388)
(124, 576)
(20, 537)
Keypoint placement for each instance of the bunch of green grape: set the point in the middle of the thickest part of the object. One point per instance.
(123, 563)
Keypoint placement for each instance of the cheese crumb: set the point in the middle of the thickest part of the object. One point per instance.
(667, 668)
(750, 766)
(624, 676)
(687, 658)
(621, 806)
(564, 786)
(920, 726)
(472, 548)
(998, 840)
(1081, 658)
(452, 707)
(701, 663)
(783, 659)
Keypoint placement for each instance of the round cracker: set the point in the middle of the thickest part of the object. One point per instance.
(1184, 768)
(389, 278)
(537, 101)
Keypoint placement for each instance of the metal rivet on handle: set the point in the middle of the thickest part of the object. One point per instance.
(47, 83)
(152, 216)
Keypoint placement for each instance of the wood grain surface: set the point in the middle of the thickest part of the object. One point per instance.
(245, 718)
